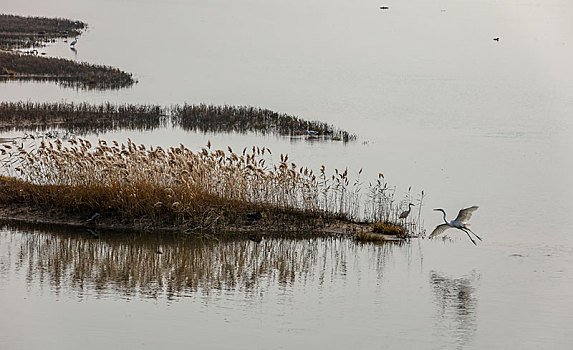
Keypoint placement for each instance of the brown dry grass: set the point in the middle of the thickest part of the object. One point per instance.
(389, 228)
(208, 190)
(175, 186)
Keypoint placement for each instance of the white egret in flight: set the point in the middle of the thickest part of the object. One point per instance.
(460, 222)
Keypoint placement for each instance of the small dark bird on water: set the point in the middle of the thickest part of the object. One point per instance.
(496, 39)
(384, 7)
(93, 218)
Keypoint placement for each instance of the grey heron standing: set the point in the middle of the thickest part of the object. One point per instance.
(405, 213)
(460, 222)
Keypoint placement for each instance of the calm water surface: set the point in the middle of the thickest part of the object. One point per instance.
(438, 106)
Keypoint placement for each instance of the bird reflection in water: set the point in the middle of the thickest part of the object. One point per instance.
(456, 305)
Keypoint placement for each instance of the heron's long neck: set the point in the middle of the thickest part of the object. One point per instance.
(443, 212)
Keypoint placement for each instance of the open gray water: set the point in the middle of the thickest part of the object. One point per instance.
(438, 106)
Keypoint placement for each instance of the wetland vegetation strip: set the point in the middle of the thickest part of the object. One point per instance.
(205, 191)
(231, 118)
(80, 118)
(63, 71)
(83, 118)
(17, 32)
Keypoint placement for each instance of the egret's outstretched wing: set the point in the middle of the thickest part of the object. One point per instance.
(439, 230)
(465, 214)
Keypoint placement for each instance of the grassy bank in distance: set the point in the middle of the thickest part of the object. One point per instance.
(204, 191)
(17, 32)
(86, 118)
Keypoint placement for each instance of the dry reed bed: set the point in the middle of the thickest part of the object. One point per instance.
(85, 118)
(208, 190)
(65, 72)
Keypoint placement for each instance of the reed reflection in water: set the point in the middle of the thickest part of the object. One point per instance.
(172, 266)
(456, 304)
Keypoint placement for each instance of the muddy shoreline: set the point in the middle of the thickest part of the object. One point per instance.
(21, 215)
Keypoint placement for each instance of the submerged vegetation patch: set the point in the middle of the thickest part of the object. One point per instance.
(17, 32)
(204, 191)
(86, 118)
